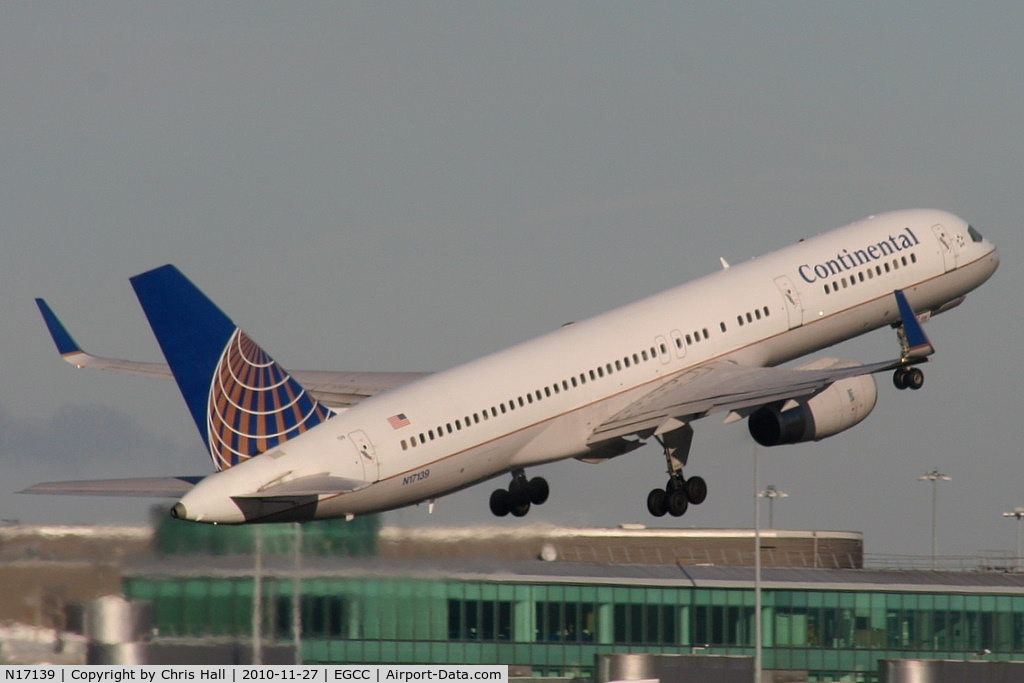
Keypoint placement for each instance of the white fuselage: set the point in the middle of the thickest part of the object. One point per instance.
(540, 401)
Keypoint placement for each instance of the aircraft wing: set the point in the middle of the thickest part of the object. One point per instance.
(153, 487)
(334, 389)
(723, 386)
(720, 386)
(344, 389)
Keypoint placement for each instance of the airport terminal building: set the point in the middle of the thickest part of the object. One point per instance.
(547, 601)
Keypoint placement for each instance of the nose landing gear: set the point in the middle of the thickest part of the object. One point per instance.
(520, 495)
(908, 378)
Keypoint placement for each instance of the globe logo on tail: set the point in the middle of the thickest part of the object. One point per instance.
(254, 404)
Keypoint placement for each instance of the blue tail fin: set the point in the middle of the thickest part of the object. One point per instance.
(242, 401)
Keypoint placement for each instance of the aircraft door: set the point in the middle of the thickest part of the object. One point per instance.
(791, 300)
(948, 247)
(367, 453)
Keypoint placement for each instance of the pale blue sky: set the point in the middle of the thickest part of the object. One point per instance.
(410, 185)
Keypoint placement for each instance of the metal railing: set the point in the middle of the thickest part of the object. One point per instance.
(724, 557)
(988, 561)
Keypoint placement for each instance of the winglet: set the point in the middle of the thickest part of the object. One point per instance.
(66, 344)
(914, 342)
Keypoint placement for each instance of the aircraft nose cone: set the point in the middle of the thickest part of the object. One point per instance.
(178, 511)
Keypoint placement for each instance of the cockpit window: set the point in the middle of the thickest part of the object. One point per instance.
(975, 235)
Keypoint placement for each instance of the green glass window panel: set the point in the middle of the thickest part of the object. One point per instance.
(956, 638)
(847, 600)
(972, 631)
(987, 630)
(815, 599)
(972, 603)
(988, 603)
(140, 590)
(195, 589)
(1003, 632)
(701, 596)
(862, 604)
(956, 602)
(783, 599)
(798, 599)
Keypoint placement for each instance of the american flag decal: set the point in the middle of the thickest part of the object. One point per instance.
(398, 421)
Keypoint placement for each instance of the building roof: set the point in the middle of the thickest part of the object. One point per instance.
(539, 571)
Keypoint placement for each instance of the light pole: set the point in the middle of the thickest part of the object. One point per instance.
(758, 653)
(1018, 513)
(934, 477)
(771, 492)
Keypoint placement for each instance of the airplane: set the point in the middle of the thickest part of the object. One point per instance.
(318, 445)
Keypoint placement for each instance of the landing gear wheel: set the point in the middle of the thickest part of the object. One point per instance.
(501, 502)
(520, 509)
(538, 490)
(657, 503)
(677, 503)
(675, 483)
(696, 490)
(520, 495)
(908, 378)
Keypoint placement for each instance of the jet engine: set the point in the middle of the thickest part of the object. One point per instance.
(835, 409)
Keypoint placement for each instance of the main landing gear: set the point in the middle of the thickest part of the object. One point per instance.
(519, 495)
(679, 493)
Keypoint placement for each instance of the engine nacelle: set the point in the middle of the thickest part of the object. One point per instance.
(836, 409)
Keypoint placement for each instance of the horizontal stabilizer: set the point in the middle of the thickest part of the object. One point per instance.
(316, 485)
(70, 351)
(336, 389)
(152, 487)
